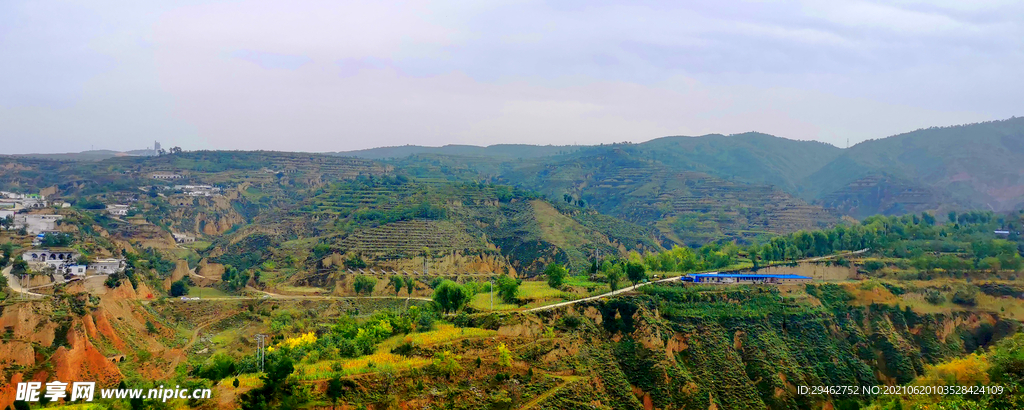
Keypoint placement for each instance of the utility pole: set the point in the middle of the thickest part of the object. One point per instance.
(261, 344)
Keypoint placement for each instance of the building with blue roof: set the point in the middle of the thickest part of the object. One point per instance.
(746, 278)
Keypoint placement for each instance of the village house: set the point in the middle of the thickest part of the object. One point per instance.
(75, 270)
(107, 266)
(165, 176)
(198, 190)
(183, 238)
(117, 210)
(39, 255)
(33, 203)
(36, 224)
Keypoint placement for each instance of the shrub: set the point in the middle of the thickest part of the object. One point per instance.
(873, 266)
(508, 289)
(965, 297)
(451, 296)
(556, 275)
(504, 356)
(934, 297)
(447, 363)
(179, 288)
(425, 323)
(364, 285)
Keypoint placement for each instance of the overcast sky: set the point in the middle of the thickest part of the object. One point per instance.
(340, 75)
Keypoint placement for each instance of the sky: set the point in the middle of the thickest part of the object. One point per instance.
(343, 75)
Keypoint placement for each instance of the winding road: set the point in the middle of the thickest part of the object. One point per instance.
(15, 285)
(674, 278)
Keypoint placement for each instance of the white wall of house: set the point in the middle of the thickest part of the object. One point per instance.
(107, 266)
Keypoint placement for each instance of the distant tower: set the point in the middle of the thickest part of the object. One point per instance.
(156, 146)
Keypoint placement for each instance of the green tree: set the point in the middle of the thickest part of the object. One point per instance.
(635, 272)
(410, 285)
(150, 327)
(8, 254)
(19, 267)
(508, 288)
(56, 240)
(334, 390)
(504, 356)
(363, 285)
(447, 363)
(614, 274)
(275, 389)
(179, 288)
(397, 282)
(355, 262)
(451, 296)
(235, 383)
(556, 274)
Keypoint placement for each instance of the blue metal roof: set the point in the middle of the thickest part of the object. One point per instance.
(748, 276)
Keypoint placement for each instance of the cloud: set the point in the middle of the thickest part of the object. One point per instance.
(327, 75)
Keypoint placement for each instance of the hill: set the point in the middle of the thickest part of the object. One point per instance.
(975, 165)
(960, 167)
(651, 186)
(398, 224)
(750, 157)
(505, 151)
(328, 210)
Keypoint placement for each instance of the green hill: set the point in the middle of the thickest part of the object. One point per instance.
(505, 151)
(402, 224)
(975, 165)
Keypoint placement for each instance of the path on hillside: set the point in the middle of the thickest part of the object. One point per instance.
(835, 256)
(674, 278)
(194, 337)
(15, 285)
(269, 295)
(565, 380)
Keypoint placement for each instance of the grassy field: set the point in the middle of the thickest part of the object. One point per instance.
(301, 290)
(482, 301)
(196, 291)
(534, 293)
(383, 359)
(557, 228)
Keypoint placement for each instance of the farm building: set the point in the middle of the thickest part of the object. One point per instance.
(745, 278)
(107, 266)
(43, 255)
(117, 209)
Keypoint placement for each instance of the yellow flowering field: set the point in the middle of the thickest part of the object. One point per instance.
(381, 360)
(443, 333)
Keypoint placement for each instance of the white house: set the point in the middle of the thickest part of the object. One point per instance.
(165, 175)
(198, 190)
(36, 224)
(107, 266)
(33, 202)
(183, 238)
(76, 270)
(47, 255)
(118, 210)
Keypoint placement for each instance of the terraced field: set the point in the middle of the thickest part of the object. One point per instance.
(408, 238)
(654, 195)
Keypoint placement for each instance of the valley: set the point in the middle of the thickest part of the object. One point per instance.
(513, 277)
